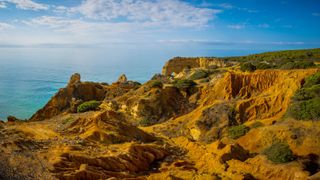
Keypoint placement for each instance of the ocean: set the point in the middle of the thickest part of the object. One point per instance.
(29, 77)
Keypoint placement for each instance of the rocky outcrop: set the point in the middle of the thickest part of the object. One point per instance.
(178, 64)
(68, 98)
(154, 104)
(122, 79)
(107, 127)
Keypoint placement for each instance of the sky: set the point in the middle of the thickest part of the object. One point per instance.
(215, 24)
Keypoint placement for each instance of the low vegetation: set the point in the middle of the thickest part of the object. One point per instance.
(237, 131)
(184, 83)
(279, 153)
(156, 84)
(300, 55)
(252, 66)
(297, 65)
(88, 106)
(200, 74)
(247, 67)
(306, 110)
(312, 80)
(306, 101)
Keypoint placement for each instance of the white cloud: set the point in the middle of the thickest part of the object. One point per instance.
(4, 26)
(159, 12)
(237, 26)
(3, 5)
(27, 4)
(62, 24)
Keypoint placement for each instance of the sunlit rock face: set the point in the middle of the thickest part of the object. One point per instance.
(218, 127)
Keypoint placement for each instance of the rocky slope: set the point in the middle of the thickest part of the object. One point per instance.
(167, 128)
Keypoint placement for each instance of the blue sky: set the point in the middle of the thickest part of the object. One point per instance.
(215, 24)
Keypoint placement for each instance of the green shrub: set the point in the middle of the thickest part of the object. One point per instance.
(306, 101)
(307, 93)
(88, 106)
(247, 67)
(298, 65)
(279, 153)
(306, 110)
(312, 80)
(256, 125)
(198, 75)
(237, 131)
(262, 65)
(156, 84)
(184, 83)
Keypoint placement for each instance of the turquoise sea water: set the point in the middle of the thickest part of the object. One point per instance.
(29, 77)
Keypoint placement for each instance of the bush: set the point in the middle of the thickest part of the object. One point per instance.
(306, 110)
(307, 100)
(184, 83)
(312, 80)
(298, 65)
(237, 131)
(156, 84)
(307, 93)
(262, 65)
(198, 75)
(88, 106)
(279, 153)
(247, 67)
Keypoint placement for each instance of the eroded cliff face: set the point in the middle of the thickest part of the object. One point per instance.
(238, 98)
(259, 95)
(187, 137)
(177, 65)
